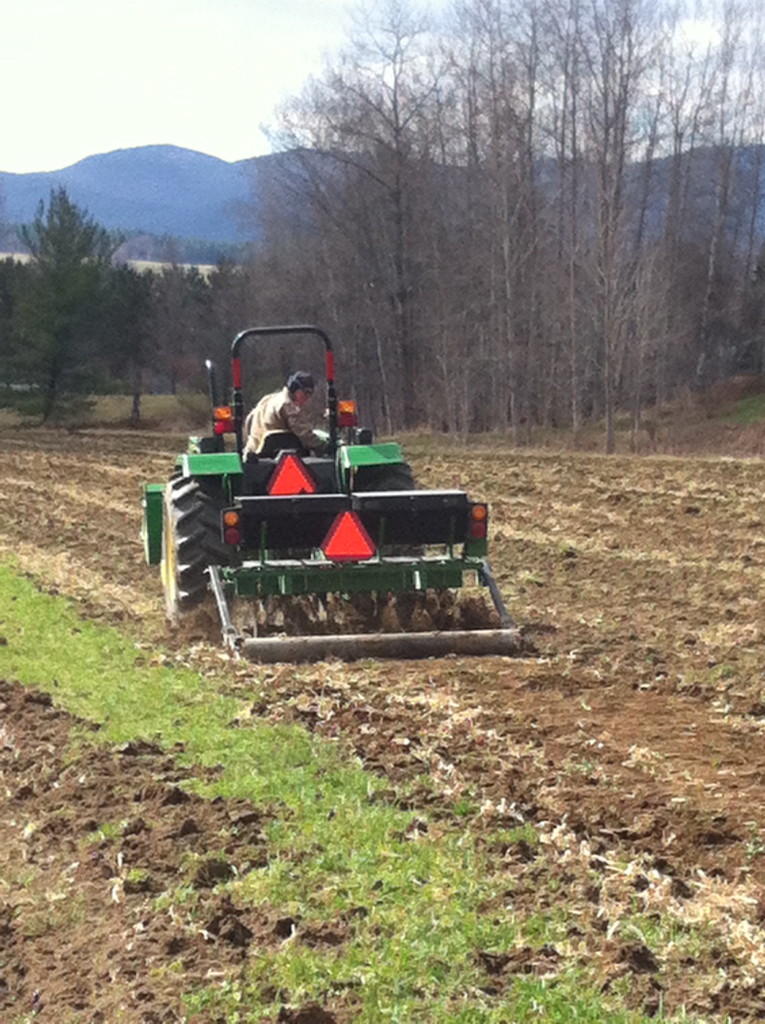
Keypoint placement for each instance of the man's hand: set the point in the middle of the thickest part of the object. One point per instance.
(321, 446)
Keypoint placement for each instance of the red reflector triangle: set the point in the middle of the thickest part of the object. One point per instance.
(347, 540)
(291, 476)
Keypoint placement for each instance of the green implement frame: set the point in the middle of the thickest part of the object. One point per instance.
(292, 577)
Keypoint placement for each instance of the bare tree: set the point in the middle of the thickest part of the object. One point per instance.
(525, 198)
(367, 116)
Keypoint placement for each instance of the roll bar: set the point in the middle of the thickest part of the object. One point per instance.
(236, 375)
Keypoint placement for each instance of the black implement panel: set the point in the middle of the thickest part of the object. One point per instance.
(413, 517)
(289, 521)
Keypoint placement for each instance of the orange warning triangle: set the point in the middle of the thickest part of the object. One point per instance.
(291, 476)
(347, 540)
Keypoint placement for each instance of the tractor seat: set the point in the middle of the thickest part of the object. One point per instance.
(279, 441)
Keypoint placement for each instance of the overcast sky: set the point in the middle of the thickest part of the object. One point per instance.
(89, 76)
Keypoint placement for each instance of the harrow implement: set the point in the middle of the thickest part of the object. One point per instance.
(292, 526)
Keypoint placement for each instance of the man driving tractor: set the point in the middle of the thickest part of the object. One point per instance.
(284, 410)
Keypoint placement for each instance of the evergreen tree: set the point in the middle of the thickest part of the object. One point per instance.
(60, 317)
(12, 273)
(131, 346)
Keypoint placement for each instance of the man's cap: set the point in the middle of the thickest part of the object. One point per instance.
(300, 381)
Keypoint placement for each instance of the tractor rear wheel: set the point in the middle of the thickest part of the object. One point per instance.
(190, 542)
(394, 477)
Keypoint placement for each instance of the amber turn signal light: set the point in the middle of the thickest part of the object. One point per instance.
(479, 515)
(223, 419)
(346, 413)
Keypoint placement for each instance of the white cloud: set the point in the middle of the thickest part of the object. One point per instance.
(86, 77)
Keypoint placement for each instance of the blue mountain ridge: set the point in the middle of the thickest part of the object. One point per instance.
(170, 191)
(160, 190)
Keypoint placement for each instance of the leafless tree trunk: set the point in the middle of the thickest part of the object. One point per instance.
(517, 210)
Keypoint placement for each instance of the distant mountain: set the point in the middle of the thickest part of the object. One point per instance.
(211, 208)
(156, 190)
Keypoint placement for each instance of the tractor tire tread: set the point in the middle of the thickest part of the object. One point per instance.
(192, 514)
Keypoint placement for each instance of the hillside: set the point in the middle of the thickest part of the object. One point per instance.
(157, 190)
(162, 190)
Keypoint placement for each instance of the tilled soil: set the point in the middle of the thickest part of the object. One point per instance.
(90, 837)
(630, 739)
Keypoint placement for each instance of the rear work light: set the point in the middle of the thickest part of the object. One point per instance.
(223, 419)
(479, 522)
(346, 414)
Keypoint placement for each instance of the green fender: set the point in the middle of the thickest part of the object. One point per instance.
(355, 456)
(151, 523)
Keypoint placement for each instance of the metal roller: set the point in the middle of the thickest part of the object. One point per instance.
(353, 647)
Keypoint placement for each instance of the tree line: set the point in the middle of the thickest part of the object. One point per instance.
(75, 323)
(537, 212)
(532, 212)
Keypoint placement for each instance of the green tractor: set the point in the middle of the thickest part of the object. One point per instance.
(292, 535)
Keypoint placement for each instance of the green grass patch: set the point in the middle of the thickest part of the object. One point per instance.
(416, 908)
(192, 407)
(747, 411)
(189, 411)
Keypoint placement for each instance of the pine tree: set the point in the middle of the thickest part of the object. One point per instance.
(61, 313)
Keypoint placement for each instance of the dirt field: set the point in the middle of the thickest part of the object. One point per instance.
(631, 738)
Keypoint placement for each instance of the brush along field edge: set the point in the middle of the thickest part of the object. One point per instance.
(434, 911)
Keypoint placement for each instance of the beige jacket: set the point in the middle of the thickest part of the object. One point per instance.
(278, 412)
